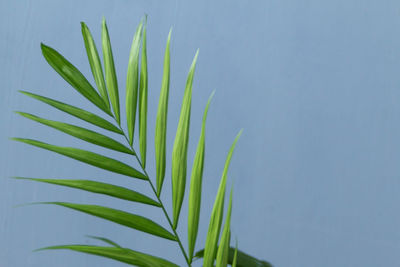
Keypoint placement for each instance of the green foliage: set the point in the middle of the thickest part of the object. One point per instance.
(106, 98)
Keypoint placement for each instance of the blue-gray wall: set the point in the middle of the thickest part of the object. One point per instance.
(315, 85)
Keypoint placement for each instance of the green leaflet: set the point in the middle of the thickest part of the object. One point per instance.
(143, 101)
(223, 249)
(76, 112)
(89, 158)
(81, 133)
(161, 120)
(105, 240)
(214, 227)
(179, 153)
(243, 259)
(109, 68)
(100, 188)
(73, 76)
(95, 64)
(120, 254)
(132, 83)
(120, 217)
(196, 186)
(235, 254)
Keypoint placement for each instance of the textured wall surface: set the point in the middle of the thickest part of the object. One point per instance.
(315, 85)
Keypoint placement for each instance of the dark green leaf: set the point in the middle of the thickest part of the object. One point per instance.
(181, 143)
(100, 188)
(81, 133)
(89, 158)
(120, 254)
(73, 76)
(76, 112)
(120, 217)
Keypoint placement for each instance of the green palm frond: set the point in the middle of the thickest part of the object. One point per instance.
(106, 97)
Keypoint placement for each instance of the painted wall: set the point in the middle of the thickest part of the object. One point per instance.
(315, 85)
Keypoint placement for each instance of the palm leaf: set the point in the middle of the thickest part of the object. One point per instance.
(81, 133)
(137, 91)
(120, 217)
(143, 101)
(217, 213)
(109, 68)
(100, 188)
(105, 240)
(88, 157)
(76, 112)
(125, 255)
(161, 120)
(196, 185)
(95, 64)
(179, 153)
(223, 249)
(73, 76)
(132, 83)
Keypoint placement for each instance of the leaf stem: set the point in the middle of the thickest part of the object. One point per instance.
(158, 197)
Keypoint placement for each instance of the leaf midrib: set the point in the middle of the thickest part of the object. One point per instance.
(155, 193)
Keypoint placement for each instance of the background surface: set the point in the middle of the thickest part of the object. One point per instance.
(315, 85)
